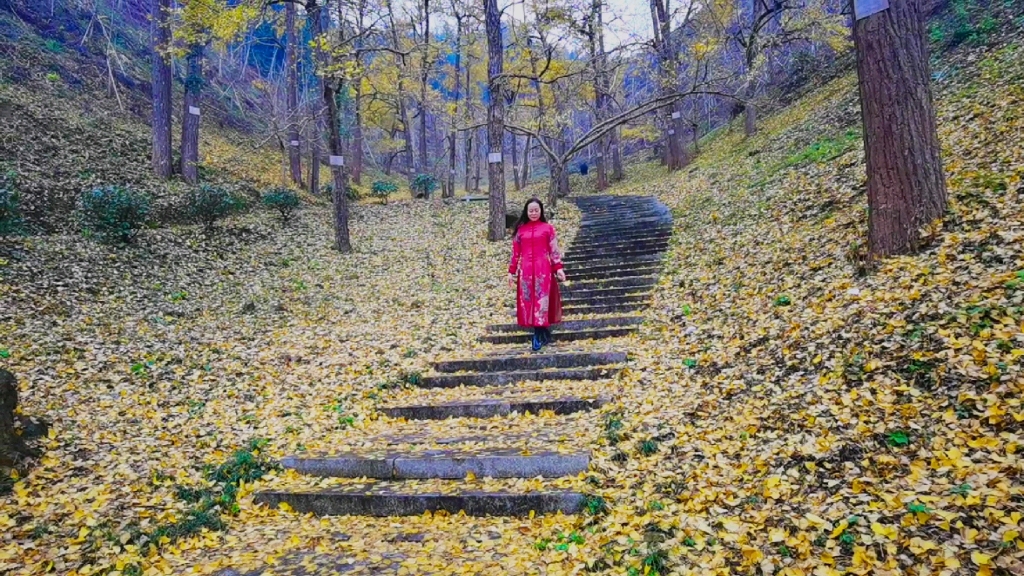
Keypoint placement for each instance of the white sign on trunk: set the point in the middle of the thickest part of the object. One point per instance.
(865, 8)
(671, 132)
(294, 142)
(494, 157)
(337, 160)
(675, 115)
(193, 110)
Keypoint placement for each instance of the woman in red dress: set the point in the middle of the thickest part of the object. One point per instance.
(536, 262)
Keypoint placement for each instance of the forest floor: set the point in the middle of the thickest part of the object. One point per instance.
(785, 407)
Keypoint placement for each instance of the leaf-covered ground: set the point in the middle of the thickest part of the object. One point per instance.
(784, 410)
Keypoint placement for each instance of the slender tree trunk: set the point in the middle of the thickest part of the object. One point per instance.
(618, 174)
(423, 167)
(403, 112)
(906, 184)
(677, 127)
(495, 122)
(558, 175)
(190, 116)
(524, 177)
(469, 158)
(602, 174)
(342, 242)
(315, 139)
(515, 163)
(477, 153)
(356, 153)
(161, 89)
(291, 58)
(749, 110)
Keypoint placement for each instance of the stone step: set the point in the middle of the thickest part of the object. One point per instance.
(626, 214)
(575, 325)
(616, 247)
(645, 255)
(576, 300)
(624, 243)
(513, 377)
(631, 282)
(560, 336)
(515, 362)
(388, 502)
(610, 231)
(590, 238)
(491, 407)
(603, 309)
(443, 464)
(577, 272)
(611, 273)
(575, 291)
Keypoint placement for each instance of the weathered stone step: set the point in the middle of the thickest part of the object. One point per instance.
(623, 243)
(513, 377)
(573, 325)
(603, 309)
(576, 300)
(611, 273)
(615, 247)
(386, 502)
(530, 362)
(647, 255)
(576, 271)
(577, 292)
(590, 238)
(491, 407)
(443, 464)
(608, 231)
(631, 282)
(625, 214)
(560, 335)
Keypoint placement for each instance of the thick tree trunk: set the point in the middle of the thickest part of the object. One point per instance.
(749, 110)
(342, 242)
(495, 123)
(906, 184)
(403, 112)
(190, 116)
(161, 77)
(13, 450)
(677, 127)
(291, 58)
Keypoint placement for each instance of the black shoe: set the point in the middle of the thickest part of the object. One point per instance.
(545, 336)
(536, 342)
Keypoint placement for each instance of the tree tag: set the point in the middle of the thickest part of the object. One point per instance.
(494, 158)
(675, 115)
(294, 142)
(337, 160)
(599, 155)
(865, 8)
(671, 132)
(193, 110)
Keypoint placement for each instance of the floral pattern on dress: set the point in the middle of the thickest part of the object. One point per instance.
(535, 259)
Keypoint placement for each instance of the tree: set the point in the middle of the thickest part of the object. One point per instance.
(13, 450)
(190, 113)
(495, 122)
(291, 62)
(906, 184)
(161, 79)
(668, 69)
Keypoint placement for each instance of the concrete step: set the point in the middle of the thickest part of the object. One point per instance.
(576, 292)
(603, 309)
(648, 255)
(629, 282)
(537, 361)
(611, 273)
(513, 377)
(560, 336)
(617, 247)
(386, 501)
(491, 407)
(617, 243)
(592, 237)
(575, 325)
(576, 300)
(578, 271)
(443, 464)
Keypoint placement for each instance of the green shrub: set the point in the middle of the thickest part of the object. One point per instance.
(382, 189)
(423, 185)
(10, 211)
(285, 201)
(207, 204)
(113, 213)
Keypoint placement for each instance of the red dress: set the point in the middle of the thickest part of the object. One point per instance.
(535, 257)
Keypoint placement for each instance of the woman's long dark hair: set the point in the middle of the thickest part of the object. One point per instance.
(524, 217)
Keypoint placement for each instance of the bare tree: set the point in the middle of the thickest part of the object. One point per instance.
(495, 122)
(291, 62)
(190, 114)
(161, 78)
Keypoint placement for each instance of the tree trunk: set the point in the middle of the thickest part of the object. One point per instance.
(342, 242)
(515, 163)
(403, 112)
(618, 174)
(495, 123)
(317, 129)
(476, 162)
(190, 116)
(906, 184)
(749, 110)
(13, 450)
(423, 167)
(161, 77)
(469, 159)
(291, 59)
(677, 127)
(602, 173)
(524, 177)
(356, 153)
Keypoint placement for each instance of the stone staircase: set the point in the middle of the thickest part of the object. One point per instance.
(612, 266)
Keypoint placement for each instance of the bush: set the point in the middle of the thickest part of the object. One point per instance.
(423, 185)
(285, 201)
(207, 204)
(113, 213)
(382, 189)
(10, 211)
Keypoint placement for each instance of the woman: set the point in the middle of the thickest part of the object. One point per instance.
(535, 257)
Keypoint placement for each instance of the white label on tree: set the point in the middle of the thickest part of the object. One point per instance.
(675, 115)
(671, 132)
(494, 157)
(337, 160)
(865, 8)
(599, 155)
(294, 142)
(193, 110)
(452, 170)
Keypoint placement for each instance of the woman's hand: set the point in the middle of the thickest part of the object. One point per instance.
(560, 275)
(512, 281)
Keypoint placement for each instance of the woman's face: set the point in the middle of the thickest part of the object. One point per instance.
(533, 211)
